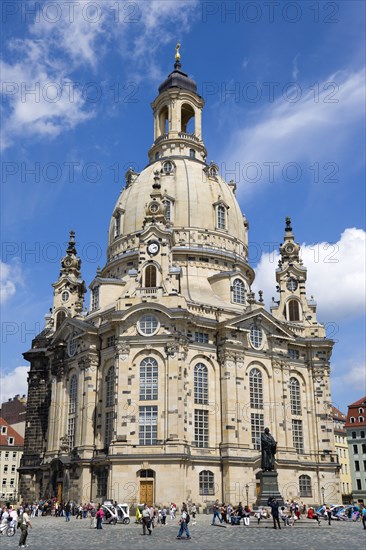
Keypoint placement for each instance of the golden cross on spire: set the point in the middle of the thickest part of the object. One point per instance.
(177, 54)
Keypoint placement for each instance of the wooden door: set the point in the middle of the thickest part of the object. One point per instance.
(59, 491)
(147, 492)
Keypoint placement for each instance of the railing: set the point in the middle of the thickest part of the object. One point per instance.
(190, 137)
(148, 290)
(159, 139)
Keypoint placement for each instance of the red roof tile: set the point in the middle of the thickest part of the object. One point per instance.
(4, 438)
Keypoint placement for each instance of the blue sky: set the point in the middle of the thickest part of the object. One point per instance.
(284, 117)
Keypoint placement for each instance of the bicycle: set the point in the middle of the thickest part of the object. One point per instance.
(7, 530)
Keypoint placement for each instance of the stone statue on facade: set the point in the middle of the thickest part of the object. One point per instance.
(269, 447)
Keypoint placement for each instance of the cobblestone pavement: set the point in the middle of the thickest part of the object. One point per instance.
(56, 534)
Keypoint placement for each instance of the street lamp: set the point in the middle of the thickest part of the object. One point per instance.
(247, 492)
(323, 491)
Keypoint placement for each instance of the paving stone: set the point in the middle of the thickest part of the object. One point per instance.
(55, 534)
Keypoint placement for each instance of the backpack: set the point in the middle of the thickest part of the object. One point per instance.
(20, 521)
(188, 518)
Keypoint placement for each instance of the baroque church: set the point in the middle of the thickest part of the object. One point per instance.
(160, 391)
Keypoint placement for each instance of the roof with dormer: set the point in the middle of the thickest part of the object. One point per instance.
(18, 441)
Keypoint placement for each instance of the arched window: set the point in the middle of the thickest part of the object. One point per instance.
(293, 310)
(110, 382)
(256, 389)
(221, 217)
(352, 419)
(73, 397)
(361, 419)
(295, 398)
(147, 473)
(207, 483)
(150, 276)
(187, 118)
(164, 121)
(200, 384)
(60, 318)
(192, 153)
(168, 210)
(148, 379)
(117, 224)
(95, 298)
(238, 291)
(110, 387)
(305, 486)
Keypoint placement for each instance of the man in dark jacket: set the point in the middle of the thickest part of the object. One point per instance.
(273, 503)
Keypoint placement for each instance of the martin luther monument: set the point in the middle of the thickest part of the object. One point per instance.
(268, 476)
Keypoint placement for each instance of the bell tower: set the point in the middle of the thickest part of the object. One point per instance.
(293, 306)
(178, 117)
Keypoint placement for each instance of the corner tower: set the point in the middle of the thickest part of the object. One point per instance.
(293, 306)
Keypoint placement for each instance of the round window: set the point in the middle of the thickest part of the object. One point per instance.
(256, 336)
(168, 167)
(65, 296)
(292, 284)
(148, 325)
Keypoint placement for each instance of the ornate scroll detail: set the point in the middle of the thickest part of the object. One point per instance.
(122, 350)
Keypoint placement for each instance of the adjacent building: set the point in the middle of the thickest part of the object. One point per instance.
(13, 411)
(356, 439)
(11, 449)
(341, 445)
(177, 367)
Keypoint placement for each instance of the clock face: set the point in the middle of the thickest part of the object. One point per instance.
(289, 248)
(153, 248)
(292, 284)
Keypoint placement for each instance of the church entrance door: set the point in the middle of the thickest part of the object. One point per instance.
(147, 492)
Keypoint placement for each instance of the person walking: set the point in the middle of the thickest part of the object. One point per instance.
(216, 512)
(93, 518)
(363, 516)
(146, 520)
(164, 513)
(99, 515)
(184, 520)
(328, 514)
(68, 510)
(24, 523)
(274, 505)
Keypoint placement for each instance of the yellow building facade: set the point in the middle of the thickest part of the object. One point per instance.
(160, 392)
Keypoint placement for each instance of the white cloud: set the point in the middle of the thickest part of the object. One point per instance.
(319, 127)
(348, 381)
(336, 275)
(295, 68)
(13, 383)
(80, 38)
(10, 279)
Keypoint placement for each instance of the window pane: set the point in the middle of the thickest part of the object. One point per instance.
(257, 427)
(295, 396)
(256, 389)
(256, 336)
(110, 383)
(148, 425)
(305, 486)
(200, 384)
(201, 428)
(238, 291)
(221, 214)
(297, 436)
(150, 276)
(148, 379)
(108, 429)
(207, 483)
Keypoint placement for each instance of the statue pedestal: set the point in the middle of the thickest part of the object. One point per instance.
(268, 488)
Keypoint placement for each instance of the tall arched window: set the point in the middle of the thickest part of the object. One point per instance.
(150, 276)
(221, 217)
(207, 483)
(256, 389)
(73, 397)
(117, 224)
(110, 382)
(305, 486)
(295, 397)
(110, 387)
(187, 118)
(293, 310)
(238, 291)
(200, 384)
(60, 317)
(148, 379)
